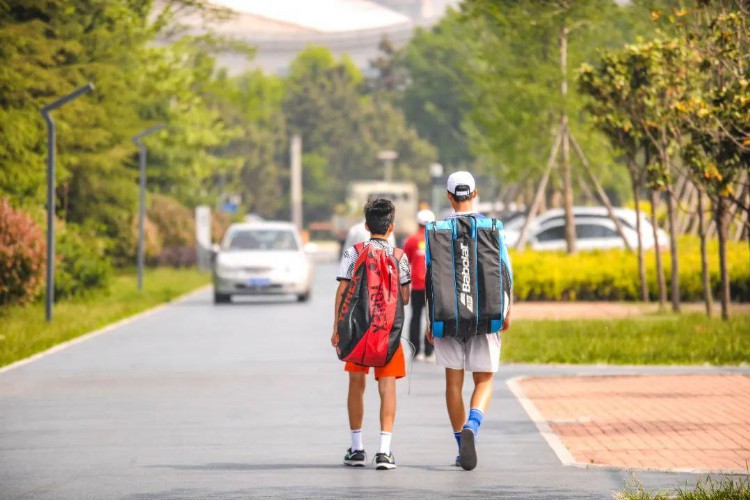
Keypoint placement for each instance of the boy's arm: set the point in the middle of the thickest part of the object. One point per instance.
(406, 293)
(339, 294)
(506, 322)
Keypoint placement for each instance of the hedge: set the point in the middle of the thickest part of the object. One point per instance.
(613, 274)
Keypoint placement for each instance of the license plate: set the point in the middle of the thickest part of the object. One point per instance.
(259, 282)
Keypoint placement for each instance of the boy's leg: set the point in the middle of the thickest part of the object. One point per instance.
(387, 389)
(454, 383)
(415, 332)
(482, 394)
(356, 400)
(355, 405)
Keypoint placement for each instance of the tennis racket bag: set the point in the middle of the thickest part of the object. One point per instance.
(469, 277)
(371, 312)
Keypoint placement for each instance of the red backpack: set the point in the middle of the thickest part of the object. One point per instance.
(371, 312)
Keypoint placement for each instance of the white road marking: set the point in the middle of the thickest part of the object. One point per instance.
(546, 431)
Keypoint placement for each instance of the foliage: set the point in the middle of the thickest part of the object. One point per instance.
(81, 266)
(718, 120)
(435, 92)
(708, 488)
(342, 130)
(22, 255)
(686, 339)
(257, 154)
(175, 222)
(518, 103)
(25, 331)
(592, 275)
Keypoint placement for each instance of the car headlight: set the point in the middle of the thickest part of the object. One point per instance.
(224, 269)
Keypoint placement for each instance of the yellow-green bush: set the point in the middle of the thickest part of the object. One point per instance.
(613, 274)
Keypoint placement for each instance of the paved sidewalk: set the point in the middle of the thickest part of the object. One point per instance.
(687, 422)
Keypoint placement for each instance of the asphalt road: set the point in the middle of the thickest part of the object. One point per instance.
(248, 400)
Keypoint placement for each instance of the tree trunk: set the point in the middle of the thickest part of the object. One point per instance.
(657, 251)
(570, 228)
(635, 181)
(721, 224)
(704, 256)
(675, 282)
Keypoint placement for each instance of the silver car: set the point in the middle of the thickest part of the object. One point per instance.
(261, 258)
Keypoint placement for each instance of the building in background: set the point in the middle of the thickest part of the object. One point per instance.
(282, 28)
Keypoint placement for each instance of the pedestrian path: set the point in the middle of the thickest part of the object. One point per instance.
(677, 423)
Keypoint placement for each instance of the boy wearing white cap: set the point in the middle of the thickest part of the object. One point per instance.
(479, 354)
(414, 248)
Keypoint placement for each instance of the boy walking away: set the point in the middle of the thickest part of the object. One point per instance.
(469, 296)
(414, 248)
(374, 280)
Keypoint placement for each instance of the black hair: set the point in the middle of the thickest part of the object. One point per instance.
(459, 198)
(379, 215)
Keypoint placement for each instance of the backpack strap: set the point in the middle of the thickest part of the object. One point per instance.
(359, 247)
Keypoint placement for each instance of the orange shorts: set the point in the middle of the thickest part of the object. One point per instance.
(396, 367)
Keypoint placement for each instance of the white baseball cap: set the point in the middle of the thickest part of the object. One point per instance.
(461, 183)
(425, 216)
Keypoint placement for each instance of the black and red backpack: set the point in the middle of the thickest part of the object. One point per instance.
(371, 312)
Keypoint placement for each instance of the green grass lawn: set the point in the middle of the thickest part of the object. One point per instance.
(708, 488)
(650, 339)
(24, 331)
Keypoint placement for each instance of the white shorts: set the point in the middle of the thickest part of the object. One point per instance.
(480, 353)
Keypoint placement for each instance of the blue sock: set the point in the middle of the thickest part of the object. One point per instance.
(474, 421)
(457, 435)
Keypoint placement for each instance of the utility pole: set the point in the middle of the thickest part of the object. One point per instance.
(51, 137)
(295, 153)
(138, 140)
(388, 157)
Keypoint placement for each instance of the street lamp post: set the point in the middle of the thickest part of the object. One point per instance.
(436, 174)
(138, 140)
(46, 110)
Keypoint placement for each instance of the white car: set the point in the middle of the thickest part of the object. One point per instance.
(594, 230)
(261, 258)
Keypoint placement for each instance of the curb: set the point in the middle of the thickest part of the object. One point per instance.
(108, 328)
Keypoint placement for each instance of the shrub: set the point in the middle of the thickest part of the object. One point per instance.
(175, 222)
(613, 274)
(82, 266)
(176, 226)
(22, 255)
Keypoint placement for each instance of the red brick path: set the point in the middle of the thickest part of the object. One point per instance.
(699, 422)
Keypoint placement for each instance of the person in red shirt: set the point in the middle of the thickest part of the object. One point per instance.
(414, 248)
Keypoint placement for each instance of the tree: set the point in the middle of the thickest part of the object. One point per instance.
(343, 128)
(718, 120)
(437, 94)
(522, 99)
(612, 107)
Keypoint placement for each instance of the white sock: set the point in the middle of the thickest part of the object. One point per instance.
(385, 442)
(357, 440)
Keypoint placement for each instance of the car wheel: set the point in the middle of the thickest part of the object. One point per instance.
(222, 298)
(303, 297)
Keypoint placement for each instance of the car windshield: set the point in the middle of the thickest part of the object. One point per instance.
(261, 239)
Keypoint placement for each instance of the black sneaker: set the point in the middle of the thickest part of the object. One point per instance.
(385, 462)
(355, 458)
(468, 450)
